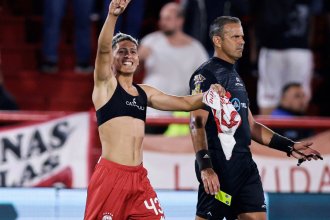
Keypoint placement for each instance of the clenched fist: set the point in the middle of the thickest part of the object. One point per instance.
(117, 7)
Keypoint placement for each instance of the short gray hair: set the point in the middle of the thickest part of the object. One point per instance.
(216, 28)
(121, 37)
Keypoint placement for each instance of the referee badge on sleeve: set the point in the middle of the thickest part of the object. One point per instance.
(198, 79)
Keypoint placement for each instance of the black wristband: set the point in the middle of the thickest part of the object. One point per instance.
(281, 143)
(203, 159)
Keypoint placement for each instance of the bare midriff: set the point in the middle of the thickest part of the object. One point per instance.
(121, 140)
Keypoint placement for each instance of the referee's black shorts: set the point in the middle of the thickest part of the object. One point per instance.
(238, 177)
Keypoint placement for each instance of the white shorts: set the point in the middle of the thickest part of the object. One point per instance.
(280, 67)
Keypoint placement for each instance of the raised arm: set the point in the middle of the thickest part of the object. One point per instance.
(104, 80)
(103, 60)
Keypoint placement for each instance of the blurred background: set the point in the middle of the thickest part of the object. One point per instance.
(48, 133)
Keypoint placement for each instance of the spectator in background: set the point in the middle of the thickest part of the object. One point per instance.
(293, 103)
(130, 22)
(170, 56)
(54, 11)
(283, 31)
(7, 101)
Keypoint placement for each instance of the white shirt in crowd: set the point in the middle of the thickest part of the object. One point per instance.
(168, 67)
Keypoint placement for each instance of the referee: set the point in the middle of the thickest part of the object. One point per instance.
(239, 176)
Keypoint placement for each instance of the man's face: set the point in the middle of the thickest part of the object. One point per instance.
(232, 43)
(294, 99)
(170, 22)
(125, 57)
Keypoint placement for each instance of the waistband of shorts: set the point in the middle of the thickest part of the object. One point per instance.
(111, 164)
